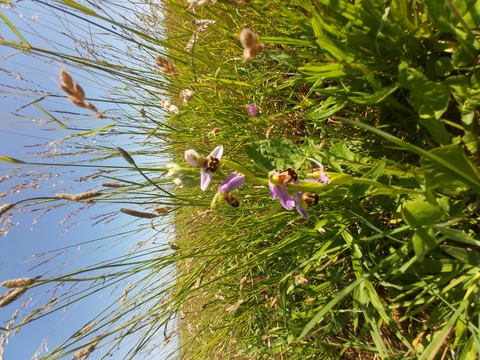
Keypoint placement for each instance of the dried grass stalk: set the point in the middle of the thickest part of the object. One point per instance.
(76, 94)
(84, 330)
(139, 214)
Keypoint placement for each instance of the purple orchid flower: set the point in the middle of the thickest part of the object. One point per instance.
(207, 164)
(278, 182)
(232, 182)
(303, 201)
(319, 173)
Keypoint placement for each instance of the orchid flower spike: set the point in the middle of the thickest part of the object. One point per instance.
(208, 164)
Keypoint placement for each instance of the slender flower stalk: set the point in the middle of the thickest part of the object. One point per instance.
(208, 164)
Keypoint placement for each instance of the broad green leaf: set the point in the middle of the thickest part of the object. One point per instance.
(423, 241)
(437, 177)
(418, 213)
(428, 98)
(437, 129)
(465, 12)
(278, 154)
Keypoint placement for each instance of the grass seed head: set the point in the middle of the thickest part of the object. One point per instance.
(11, 295)
(16, 283)
(5, 207)
(139, 214)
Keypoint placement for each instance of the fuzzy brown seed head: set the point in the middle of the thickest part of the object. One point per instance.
(112, 184)
(161, 209)
(139, 214)
(16, 283)
(251, 44)
(11, 295)
(66, 78)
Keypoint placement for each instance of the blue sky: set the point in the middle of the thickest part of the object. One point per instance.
(56, 239)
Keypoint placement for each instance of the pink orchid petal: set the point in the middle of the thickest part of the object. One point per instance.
(205, 178)
(191, 156)
(217, 152)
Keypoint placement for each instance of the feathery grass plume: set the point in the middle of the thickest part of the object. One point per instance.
(85, 352)
(251, 44)
(139, 214)
(200, 26)
(76, 94)
(166, 66)
(20, 282)
(11, 295)
(125, 294)
(85, 196)
(112, 184)
(5, 207)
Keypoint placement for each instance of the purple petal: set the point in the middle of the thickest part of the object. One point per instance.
(284, 197)
(232, 182)
(324, 177)
(205, 178)
(252, 110)
(217, 152)
(191, 156)
(316, 162)
(271, 187)
(300, 205)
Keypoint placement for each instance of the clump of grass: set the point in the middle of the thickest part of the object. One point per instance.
(384, 264)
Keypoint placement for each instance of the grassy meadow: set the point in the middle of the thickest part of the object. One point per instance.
(321, 194)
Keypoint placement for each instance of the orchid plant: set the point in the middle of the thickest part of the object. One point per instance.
(278, 181)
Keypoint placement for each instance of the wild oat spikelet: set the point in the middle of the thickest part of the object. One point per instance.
(16, 283)
(166, 66)
(125, 294)
(5, 207)
(11, 295)
(251, 44)
(139, 214)
(76, 94)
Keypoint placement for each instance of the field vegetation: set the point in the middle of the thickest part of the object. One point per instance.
(322, 183)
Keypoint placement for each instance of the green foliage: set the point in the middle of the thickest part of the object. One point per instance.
(386, 96)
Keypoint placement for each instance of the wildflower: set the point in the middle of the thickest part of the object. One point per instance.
(207, 164)
(278, 182)
(251, 44)
(319, 173)
(252, 110)
(303, 201)
(232, 182)
(186, 95)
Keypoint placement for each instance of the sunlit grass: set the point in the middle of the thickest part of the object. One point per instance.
(384, 95)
